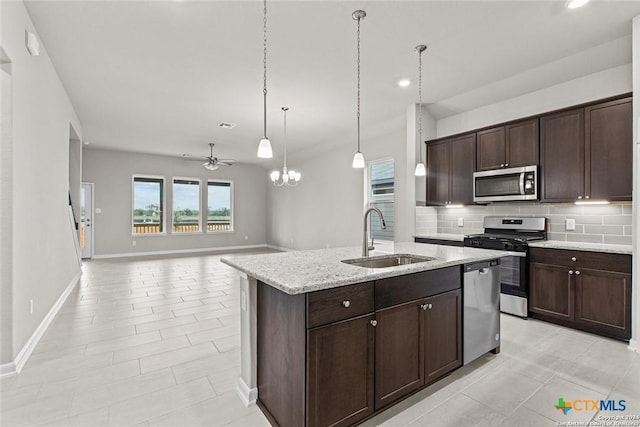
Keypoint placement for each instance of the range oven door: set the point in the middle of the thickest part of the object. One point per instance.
(514, 277)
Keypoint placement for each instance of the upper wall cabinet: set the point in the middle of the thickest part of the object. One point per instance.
(450, 167)
(586, 153)
(511, 145)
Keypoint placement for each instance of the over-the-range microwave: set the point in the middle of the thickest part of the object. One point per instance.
(502, 185)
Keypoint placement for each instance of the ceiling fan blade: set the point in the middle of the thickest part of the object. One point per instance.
(227, 160)
(190, 157)
(220, 162)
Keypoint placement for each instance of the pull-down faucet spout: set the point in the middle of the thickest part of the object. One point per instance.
(365, 239)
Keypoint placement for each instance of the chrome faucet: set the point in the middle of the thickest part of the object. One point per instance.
(365, 239)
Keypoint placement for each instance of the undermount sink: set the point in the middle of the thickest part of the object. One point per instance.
(387, 261)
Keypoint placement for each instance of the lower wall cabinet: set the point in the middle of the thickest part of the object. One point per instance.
(585, 290)
(358, 359)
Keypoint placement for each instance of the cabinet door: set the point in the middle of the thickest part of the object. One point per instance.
(603, 301)
(399, 352)
(609, 150)
(443, 334)
(438, 170)
(562, 156)
(491, 149)
(522, 142)
(340, 372)
(552, 291)
(463, 165)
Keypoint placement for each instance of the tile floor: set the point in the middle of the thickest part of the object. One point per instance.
(155, 342)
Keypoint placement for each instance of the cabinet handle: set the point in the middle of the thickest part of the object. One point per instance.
(573, 259)
(506, 165)
(346, 303)
(570, 271)
(586, 197)
(579, 197)
(577, 273)
(430, 306)
(374, 323)
(501, 165)
(424, 306)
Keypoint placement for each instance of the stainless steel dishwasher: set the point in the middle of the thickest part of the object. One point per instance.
(481, 314)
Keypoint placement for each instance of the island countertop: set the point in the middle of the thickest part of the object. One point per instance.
(298, 272)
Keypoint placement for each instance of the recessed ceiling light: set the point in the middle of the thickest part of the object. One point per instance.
(404, 82)
(574, 4)
(225, 125)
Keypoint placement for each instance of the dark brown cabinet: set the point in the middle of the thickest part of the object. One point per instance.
(450, 166)
(585, 153)
(399, 352)
(335, 357)
(443, 341)
(340, 372)
(586, 290)
(508, 146)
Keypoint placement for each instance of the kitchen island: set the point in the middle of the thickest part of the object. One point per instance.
(324, 342)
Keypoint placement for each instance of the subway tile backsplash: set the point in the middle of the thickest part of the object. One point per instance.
(596, 224)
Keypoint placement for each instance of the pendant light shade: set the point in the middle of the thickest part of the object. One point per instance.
(420, 169)
(358, 158)
(264, 148)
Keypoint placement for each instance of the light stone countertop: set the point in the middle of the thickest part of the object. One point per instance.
(441, 236)
(298, 272)
(583, 246)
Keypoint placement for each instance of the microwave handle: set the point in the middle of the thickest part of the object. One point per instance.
(522, 182)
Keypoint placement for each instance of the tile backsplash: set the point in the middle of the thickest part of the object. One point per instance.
(596, 224)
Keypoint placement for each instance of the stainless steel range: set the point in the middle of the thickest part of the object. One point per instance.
(511, 234)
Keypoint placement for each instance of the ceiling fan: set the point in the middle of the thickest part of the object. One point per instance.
(212, 163)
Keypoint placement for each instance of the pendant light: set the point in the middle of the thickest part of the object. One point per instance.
(358, 158)
(264, 148)
(289, 177)
(420, 169)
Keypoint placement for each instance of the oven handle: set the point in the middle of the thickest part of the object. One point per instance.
(522, 174)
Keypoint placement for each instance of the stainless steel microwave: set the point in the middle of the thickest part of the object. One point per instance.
(502, 185)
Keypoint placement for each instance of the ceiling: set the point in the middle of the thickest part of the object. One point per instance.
(158, 76)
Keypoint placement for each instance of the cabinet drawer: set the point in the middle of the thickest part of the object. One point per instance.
(341, 303)
(593, 260)
(399, 289)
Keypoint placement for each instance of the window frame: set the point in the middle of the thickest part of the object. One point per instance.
(231, 203)
(173, 198)
(370, 201)
(163, 202)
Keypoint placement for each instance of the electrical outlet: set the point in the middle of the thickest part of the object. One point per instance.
(570, 224)
(246, 237)
(461, 222)
(98, 210)
(30, 306)
(133, 243)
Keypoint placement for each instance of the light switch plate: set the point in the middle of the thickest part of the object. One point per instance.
(570, 224)
(461, 222)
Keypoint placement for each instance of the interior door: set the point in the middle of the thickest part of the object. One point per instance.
(86, 220)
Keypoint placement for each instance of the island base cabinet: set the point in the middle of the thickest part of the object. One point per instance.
(340, 372)
(399, 352)
(443, 340)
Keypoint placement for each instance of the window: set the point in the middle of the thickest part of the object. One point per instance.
(220, 206)
(186, 205)
(148, 205)
(380, 194)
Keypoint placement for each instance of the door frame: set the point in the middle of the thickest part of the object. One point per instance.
(92, 210)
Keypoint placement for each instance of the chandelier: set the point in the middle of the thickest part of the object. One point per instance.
(289, 177)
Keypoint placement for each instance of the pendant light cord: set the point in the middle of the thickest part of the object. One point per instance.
(420, 102)
(358, 83)
(264, 63)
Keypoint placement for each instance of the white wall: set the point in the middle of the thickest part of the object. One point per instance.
(112, 172)
(635, 297)
(43, 256)
(327, 205)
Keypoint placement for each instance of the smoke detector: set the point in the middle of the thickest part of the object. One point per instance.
(225, 125)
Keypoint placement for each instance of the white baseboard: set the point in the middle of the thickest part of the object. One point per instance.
(16, 366)
(8, 370)
(249, 396)
(179, 251)
(279, 248)
(634, 345)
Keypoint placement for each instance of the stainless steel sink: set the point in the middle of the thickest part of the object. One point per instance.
(387, 261)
